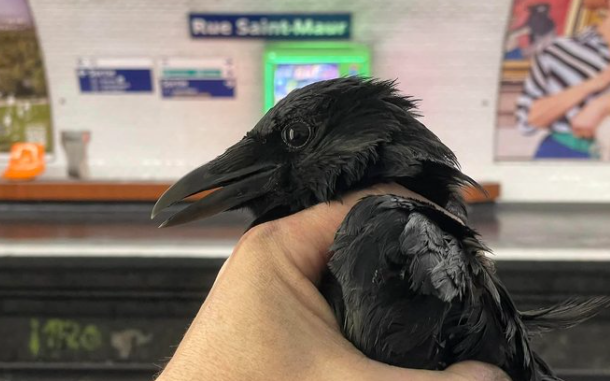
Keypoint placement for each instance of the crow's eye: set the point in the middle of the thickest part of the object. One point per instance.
(297, 134)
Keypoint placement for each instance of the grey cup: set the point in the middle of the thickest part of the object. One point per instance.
(75, 144)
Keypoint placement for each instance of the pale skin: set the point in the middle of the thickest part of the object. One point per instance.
(546, 110)
(264, 318)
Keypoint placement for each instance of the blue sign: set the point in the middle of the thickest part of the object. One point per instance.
(271, 26)
(103, 80)
(171, 88)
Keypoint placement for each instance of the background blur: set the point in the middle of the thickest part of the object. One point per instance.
(90, 290)
(448, 54)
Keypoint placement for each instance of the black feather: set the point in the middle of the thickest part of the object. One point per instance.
(564, 315)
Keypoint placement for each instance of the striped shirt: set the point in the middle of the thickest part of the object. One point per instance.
(566, 62)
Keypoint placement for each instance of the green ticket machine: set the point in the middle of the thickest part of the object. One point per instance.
(290, 66)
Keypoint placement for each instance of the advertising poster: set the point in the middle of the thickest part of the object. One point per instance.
(554, 101)
(25, 114)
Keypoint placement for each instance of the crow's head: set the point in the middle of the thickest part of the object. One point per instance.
(316, 144)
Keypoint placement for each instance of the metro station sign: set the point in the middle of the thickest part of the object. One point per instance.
(315, 26)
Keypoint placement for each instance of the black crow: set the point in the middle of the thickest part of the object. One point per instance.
(409, 281)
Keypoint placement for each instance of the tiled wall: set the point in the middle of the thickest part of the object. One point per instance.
(445, 52)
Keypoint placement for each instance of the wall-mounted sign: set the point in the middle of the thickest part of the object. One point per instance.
(197, 77)
(115, 75)
(271, 26)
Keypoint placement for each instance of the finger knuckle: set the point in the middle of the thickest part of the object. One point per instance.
(263, 232)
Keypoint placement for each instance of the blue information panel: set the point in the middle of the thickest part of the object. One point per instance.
(271, 26)
(109, 80)
(171, 88)
(190, 77)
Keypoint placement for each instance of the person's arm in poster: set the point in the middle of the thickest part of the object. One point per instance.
(586, 122)
(545, 110)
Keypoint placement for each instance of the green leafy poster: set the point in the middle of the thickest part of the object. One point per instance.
(25, 112)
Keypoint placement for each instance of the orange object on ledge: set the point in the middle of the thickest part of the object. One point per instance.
(106, 191)
(26, 162)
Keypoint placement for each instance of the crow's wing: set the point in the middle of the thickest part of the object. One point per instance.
(410, 286)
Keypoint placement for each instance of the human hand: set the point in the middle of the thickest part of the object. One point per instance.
(264, 318)
(586, 122)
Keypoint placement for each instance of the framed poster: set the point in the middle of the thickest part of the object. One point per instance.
(555, 82)
(25, 110)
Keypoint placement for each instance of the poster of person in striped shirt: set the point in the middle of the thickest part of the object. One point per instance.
(554, 98)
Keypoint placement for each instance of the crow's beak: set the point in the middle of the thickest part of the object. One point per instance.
(229, 187)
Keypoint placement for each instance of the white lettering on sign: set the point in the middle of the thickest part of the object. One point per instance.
(309, 27)
(305, 27)
(242, 26)
(102, 73)
(300, 27)
(211, 28)
(262, 27)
